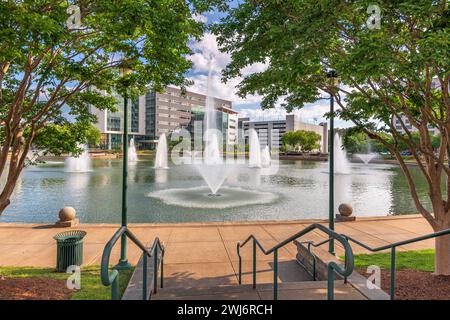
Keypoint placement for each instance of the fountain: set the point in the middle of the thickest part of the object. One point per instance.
(161, 161)
(212, 169)
(132, 155)
(341, 163)
(254, 150)
(82, 163)
(368, 156)
(215, 170)
(265, 157)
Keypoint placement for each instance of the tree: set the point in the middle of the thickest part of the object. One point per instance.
(57, 139)
(392, 67)
(51, 57)
(354, 140)
(302, 140)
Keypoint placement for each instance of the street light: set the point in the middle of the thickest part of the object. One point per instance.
(331, 74)
(123, 262)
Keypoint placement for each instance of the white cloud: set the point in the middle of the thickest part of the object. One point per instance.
(206, 53)
(200, 18)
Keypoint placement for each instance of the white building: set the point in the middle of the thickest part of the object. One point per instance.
(270, 132)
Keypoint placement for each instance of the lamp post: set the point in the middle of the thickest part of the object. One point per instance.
(123, 262)
(331, 74)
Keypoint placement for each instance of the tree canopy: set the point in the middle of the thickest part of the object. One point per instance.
(302, 140)
(51, 57)
(395, 71)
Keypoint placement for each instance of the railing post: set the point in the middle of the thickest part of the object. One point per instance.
(115, 288)
(330, 283)
(240, 264)
(162, 268)
(254, 263)
(155, 269)
(314, 268)
(392, 287)
(144, 277)
(275, 274)
(345, 264)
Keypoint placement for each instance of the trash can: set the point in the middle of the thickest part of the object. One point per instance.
(69, 249)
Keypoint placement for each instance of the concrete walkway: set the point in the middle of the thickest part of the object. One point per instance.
(204, 254)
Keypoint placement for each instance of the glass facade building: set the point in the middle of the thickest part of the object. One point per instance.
(155, 113)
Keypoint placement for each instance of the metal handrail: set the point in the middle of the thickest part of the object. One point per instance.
(393, 247)
(112, 278)
(332, 266)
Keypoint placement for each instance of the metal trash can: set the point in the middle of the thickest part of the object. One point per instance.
(69, 249)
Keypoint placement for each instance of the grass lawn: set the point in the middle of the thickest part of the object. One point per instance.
(420, 260)
(91, 286)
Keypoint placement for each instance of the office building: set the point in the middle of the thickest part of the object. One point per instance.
(155, 113)
(271, 132)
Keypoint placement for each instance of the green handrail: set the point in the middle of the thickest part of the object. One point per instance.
(112, 278)
(393, 247)
(332, 266)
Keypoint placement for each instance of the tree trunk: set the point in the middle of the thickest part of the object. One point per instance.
(442, 257)
(5, 195)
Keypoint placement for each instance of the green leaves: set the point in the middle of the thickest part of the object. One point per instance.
(51, 66)
(302, 140)
(66, 138)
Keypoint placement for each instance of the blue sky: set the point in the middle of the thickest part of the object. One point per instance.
(250, 106)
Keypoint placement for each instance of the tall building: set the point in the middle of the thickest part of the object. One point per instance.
(271, 132)
(110, 123)
(171, 110)
(155, 113)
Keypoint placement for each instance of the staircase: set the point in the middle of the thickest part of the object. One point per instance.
(284, 280)
(307, 290)
(298, 285)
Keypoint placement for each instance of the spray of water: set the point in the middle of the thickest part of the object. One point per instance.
(161, 161)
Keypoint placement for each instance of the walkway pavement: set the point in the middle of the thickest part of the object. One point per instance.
(200, 254)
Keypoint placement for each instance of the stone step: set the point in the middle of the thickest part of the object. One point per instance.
(308, 290)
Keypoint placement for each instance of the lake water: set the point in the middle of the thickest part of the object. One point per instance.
(299, 190)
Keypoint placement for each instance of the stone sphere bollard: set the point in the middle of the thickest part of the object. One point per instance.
(67, 214)
(345, 209)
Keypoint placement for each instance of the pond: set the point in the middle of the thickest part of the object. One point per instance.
(298, 190)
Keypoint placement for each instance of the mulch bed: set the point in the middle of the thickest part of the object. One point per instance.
(33, 289)
(415, 285)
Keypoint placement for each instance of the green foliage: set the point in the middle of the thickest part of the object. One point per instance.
(91, 286)
(383, 72)
(57, 139)
(45, 66)
(355, 141)
(301, 140)
(420, 260)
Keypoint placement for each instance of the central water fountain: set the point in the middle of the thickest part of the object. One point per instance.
(212, 167)
(215, 170)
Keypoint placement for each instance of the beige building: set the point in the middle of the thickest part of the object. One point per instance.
(155, 113)
(271, 132)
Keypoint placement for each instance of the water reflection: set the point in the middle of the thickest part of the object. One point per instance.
(302, 188)
(161, 175)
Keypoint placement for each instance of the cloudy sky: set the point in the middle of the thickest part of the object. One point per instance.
(206, 48)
